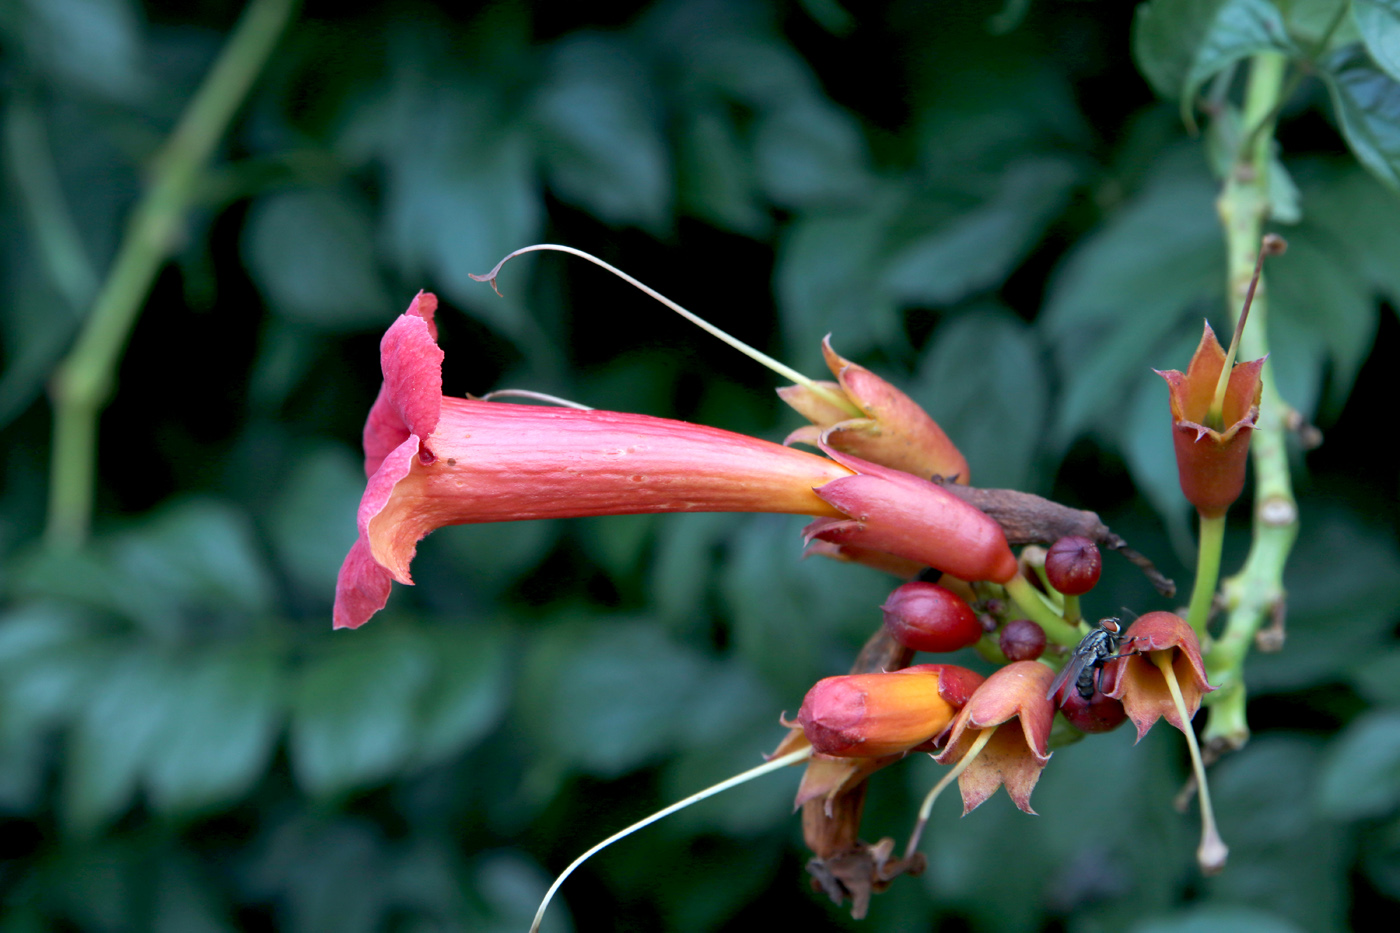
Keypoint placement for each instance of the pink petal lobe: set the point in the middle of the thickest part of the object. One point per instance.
(387, 543)
(412, 363)
(361, 589)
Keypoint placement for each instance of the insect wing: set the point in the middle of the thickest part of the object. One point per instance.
(1069, 673)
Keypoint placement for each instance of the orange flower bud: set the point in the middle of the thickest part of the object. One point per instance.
(874, 715)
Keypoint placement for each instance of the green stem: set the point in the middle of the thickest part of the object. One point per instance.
(1207, 574)
(83, 382)
(1251, 595)
(1029, 601)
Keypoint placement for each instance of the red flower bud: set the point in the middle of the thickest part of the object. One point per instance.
(927, 617)
(1073, 564)
(1022, 640)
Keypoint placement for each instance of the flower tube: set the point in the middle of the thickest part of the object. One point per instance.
(435, 461)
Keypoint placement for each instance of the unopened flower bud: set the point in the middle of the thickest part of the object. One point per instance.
(873, 715)
(1073, 564)
(1099, 713)
(928, 617)
(1022, 640)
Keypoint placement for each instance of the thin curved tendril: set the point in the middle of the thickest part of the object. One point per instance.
(758, 356)
(789, 759)
(1212, 852)
(953, 774)
(531, 394)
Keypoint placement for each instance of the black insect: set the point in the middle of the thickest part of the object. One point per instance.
(1089, 657)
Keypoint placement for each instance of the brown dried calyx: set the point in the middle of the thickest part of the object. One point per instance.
(1026, 518)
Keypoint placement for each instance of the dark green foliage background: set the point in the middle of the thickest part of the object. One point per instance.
(990, 206)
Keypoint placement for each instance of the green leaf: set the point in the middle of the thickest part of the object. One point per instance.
(219, 737)
(1379, 24)
(1361, 773)
(601, 127)
(1123, 292)
(978, 249)
(608, 698)
(312, 521)
(1360, 218)
(1181, 44)
(1366, 100)
(1210, 918)
(114, 735)
(984, 383)
(1308, 20)
(811, 153)
(355, 710)
(467, 695)
(312, 253)
(1144, 435)
(94, 45)
(717, 178)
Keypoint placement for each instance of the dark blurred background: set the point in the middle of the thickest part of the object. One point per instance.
(983, 202)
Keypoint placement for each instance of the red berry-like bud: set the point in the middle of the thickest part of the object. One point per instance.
(1022, 640)
(928, 617)
(1099, 713)
(1073, 564)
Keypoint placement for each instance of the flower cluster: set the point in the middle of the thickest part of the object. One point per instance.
(878, 493)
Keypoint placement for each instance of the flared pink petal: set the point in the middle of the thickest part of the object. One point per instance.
(361, 589)
(378, 493)
(412, 363)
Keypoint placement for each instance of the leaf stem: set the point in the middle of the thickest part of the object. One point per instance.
(83, 383)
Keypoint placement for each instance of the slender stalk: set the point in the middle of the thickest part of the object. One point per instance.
(1029, 600)
(787, 372)
(953, 774)
(1212, 852)
(1207, 574)
(791, 758)
(1252, 595)
(83, 382)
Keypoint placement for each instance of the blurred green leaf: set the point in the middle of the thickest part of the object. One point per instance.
(322, 875)
(811, 153)
(468, 693)
(1379, 24)
(95, 45)
(1358, 220)
(984, 383)
(1212, 917)
(686, 551)
(512, 888)
(1308, 19)
(1361, 772)
(602, 136)
(114, 734)
(717, 181)
(1122, 292)
(1145, 435)
(184, 901)
(1366, 100)
(1343, 585)
(312, 253)
(220, 733)
(607, 698)
(312, 522)
(1181, 44)
(978, 249)
(355, 709)
(1283, 856)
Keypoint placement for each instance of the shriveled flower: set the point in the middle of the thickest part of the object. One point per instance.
(894, 432)
(874, 715)
(1005, 730)
(435, 461)
(1141, 684)
(1211, 454)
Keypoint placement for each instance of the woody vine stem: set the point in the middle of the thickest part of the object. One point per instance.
(1256, 592)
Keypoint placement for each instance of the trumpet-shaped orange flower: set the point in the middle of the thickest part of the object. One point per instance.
(435, 461)
(1211, 457)
(874, 715)
(1142, 685)
(1012, 702)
